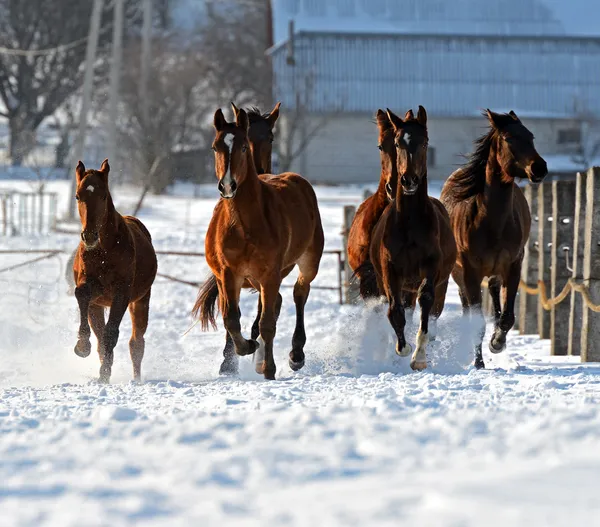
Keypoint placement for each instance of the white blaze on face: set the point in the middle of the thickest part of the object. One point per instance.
(90, 188)
(228, 179)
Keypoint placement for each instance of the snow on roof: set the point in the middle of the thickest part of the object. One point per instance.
(472, 17)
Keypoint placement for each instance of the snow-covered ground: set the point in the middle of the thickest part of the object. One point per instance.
(355, 438)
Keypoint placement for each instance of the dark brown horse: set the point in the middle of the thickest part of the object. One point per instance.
(262, 227)
(260, 139)
(491, 221)
(115, 266)
(412, 247)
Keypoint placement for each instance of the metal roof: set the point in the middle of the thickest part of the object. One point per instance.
(451, 75)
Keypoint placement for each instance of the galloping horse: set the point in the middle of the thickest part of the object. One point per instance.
(260, 230)
(491, 221)
(412, 246)
(260, 139)
(370, 210)
(115, 266)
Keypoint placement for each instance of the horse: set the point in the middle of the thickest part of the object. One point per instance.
(115, 266)
(261, 228)
(412, 245)
(491, 221)
(260, 139)
(370, 210)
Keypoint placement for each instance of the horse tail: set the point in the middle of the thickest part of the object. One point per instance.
(204, 308)
(367, 280)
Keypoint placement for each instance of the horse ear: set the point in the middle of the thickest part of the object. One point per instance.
(409, 116)
(235, 109)
(219, 121)
(273, 116)
(80, 171)
(422, 116)
(241, 119)
(105, 167)
(383, 121)
(494, 118)
(394, 119)
(514, 116)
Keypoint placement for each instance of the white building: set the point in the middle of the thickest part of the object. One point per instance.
(348, 58)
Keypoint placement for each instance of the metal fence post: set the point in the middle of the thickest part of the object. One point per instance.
(544, 245)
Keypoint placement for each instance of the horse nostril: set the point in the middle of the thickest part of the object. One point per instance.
(388, 188)
(220, 186)
(233, 186)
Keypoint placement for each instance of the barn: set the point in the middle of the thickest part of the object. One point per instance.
(336, 62)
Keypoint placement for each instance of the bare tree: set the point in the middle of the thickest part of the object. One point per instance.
(301, 125)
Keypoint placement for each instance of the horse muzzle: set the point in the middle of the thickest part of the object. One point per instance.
(90, 239)
(227, 190)
(537, 171)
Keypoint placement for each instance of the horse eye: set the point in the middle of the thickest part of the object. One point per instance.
(77, 198)
(244, 147)
(214, 148)
(380, 147)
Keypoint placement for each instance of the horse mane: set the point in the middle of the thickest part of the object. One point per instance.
(255, 115)
(469, 180)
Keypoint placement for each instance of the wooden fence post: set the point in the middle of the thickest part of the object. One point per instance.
(590, 323)
(563, 211)
(350, 288)
(528, 304)
(576, 302)
(544, 256)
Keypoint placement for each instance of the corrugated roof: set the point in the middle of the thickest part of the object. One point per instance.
(449, 75)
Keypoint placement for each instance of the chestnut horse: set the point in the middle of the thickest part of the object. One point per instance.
(491, 221)
(115, 266)
(412, 246)
(260, 230)
(260, 139)
(370, 210)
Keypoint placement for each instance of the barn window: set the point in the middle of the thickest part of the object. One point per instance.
(569, 136)
(431, 156)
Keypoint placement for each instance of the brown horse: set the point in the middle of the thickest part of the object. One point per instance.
(114, 267)
(260, 139)
(491, 221)
(412, 247)
(260, 230)
(370, 210)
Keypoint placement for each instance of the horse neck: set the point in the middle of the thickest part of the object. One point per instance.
(110, 228)
(498, 192)
(245, 208)
(412, 205)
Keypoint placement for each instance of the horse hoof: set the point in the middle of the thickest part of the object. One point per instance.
(295, 366)
(418, 365)
(261, 369)
(82, 348)
(405, 351)
(479, 364)
(104, 379)
(497, 347)
(228, 369)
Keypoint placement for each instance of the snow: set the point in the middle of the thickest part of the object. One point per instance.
(355, 438)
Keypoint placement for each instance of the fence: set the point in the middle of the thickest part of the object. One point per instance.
(43, 254)
(27, 212)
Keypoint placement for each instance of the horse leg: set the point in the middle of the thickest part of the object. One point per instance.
(139, 323)
(426, 296)
(438, 307)
(409, 301)
(268, 324)
(111, 331)
(96, 319)
(506, 319)
(255, 326)
(83, 294)
(494, 289)
(229, 295)
(308, 272)
(259, 354)
(472, 293)
(396, 314)
(229, 366)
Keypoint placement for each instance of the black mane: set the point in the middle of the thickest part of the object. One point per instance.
(255, 115)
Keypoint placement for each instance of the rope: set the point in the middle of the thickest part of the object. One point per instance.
(548, 303)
